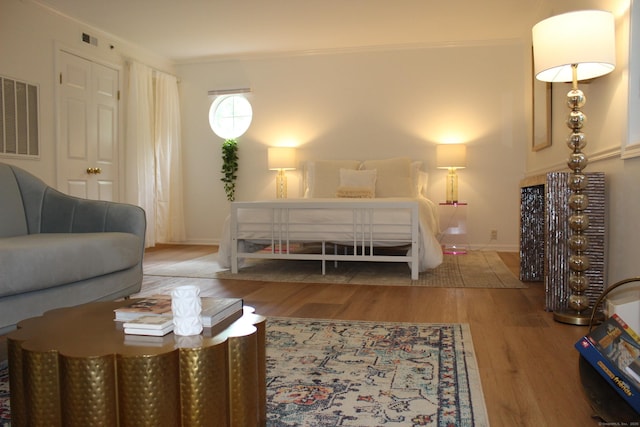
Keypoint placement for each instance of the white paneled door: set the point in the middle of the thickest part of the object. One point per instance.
(87, 128)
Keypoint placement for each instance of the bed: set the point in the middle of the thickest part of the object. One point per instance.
(352, 211)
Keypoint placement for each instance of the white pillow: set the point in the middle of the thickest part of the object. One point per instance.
(393, 177)
(323, 176)
(423, 183)
(416, 178)
(365, 179)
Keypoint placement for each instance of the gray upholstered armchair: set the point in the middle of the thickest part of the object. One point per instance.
(57, 250)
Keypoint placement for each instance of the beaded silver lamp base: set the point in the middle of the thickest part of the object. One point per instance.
(544, 226)
(557, 251)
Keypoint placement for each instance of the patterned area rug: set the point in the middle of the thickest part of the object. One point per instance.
(344, 373)
(477, 269)
(349, 373)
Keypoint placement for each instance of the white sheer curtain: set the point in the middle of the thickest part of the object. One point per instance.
(140, 158)
(168, 145)
(153, 147)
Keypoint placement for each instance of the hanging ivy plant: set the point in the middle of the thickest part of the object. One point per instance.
(229, 167)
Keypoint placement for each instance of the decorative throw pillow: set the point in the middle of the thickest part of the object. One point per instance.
(357, 183)
(355, 192)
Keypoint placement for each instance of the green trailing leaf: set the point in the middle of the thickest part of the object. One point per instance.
(229, 167)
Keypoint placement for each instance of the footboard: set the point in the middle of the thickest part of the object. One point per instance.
(357, 225)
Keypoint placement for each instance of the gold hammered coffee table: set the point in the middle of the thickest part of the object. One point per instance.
(76, 367)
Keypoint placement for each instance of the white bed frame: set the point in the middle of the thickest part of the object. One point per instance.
(362, 232)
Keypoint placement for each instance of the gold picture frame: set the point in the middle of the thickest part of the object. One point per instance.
(541, 115)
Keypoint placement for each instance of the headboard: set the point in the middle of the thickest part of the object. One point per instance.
(394, 177)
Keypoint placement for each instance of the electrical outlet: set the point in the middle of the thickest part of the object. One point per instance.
(494, 235)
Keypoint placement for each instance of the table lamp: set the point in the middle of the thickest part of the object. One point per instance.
(567, 48)
(281, 159)
(451, 157)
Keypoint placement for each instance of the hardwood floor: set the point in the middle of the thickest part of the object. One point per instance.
(528, 365)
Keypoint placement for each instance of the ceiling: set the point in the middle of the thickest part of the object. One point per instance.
(185, 30)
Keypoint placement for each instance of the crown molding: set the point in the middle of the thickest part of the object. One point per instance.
(250, 56)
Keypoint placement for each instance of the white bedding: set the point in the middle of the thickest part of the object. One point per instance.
(334, 223)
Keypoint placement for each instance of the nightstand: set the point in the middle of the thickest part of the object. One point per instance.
(453, 223)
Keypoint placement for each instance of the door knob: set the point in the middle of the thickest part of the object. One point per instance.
(93, 171)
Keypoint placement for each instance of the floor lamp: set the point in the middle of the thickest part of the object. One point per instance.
(568, 48)
(281, 159)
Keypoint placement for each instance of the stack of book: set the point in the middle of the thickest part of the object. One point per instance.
(216, 312)
(149, 325)
(613, 349)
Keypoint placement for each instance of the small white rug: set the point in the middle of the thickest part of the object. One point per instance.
(204, 267)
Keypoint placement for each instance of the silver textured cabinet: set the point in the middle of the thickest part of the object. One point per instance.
(544, 229)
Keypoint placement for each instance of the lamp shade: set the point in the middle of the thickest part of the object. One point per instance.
(281, 158)
(585, 38)
(451, 156)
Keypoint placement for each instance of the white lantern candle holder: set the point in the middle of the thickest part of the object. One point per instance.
(186, 307)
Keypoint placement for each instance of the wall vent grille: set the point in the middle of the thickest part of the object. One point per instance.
(19, 123)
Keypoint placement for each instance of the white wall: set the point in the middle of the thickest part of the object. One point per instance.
(30, 36)
(368, 104)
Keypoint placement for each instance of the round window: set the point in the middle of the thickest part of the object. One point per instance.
(230, 116)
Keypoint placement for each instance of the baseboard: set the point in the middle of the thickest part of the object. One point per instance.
(494, 247)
